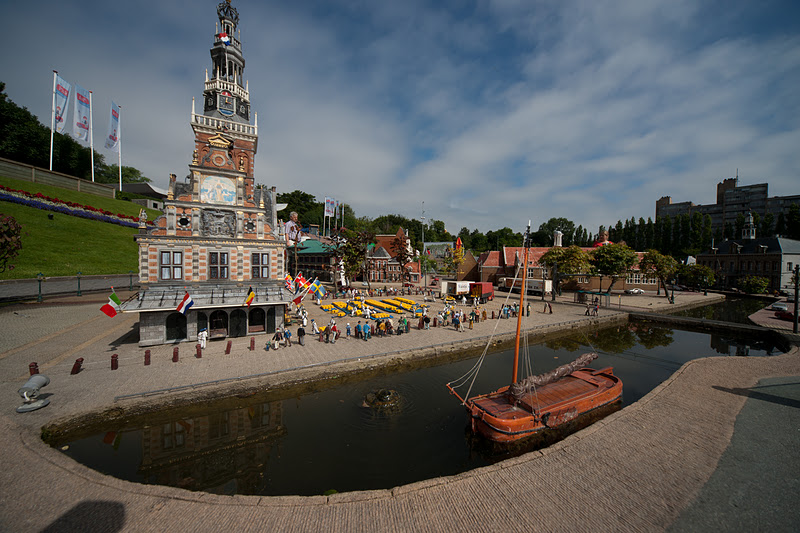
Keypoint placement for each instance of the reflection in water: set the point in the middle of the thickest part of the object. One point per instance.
(329, 440)
(730, 310)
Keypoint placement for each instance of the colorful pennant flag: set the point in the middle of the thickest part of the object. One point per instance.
(317, 289)
(62, 102)
(80, 123)
(112, 139)
(250, 297)
(185, 304)
(300, 282)
(112, 307)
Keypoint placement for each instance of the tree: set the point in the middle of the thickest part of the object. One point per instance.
(614, 261)
(565, 226)
(696, 275)
(662, 266)
(402, 255)
(754, 284)
(453, 259)
(110, 174)
(666, 236)
(466, 238)
(565, 263)
(572, 261)
(793, 222)
(767, 226)
(302, 203)
(10, 241)
(478, 241)
(705, 241)
(354, 254)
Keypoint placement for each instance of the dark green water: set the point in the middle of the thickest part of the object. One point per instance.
(328, 440)
(731, 310)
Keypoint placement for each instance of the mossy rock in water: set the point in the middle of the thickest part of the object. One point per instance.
(382, 398)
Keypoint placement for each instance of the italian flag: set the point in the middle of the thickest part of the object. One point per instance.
(112, 307)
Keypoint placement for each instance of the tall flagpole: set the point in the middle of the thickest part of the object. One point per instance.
(91, 135)
(53, 117)
(119, 147)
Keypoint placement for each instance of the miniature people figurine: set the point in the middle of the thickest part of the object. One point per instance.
(202, 336)
(301, 336)
(292, 230)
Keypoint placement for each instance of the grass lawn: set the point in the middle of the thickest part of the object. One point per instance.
(66, 245)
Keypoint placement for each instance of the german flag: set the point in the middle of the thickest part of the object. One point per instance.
(250, 297)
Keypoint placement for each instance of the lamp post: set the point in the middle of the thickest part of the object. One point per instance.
(39, 278)
(130, 280)
(79, 284)
(424, 266)
(796, 291)
(555, 280)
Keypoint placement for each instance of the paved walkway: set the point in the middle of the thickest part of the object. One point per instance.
(635, 470)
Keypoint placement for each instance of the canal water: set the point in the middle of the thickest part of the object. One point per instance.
(732, 309)
(330, 441)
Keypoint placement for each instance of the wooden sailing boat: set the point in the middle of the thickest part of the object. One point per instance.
(528, 407)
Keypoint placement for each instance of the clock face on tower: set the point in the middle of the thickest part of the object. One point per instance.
(211, 103)
(227, 103)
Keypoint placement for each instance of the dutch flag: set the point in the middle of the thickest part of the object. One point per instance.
(225, 39)
(185, 304)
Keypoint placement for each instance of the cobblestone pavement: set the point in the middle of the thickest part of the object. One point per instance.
(631, 471)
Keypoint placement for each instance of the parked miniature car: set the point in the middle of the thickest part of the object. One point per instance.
(784, 315)
(635, 290)
(779, 306)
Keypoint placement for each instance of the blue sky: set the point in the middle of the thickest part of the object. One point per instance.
(491, 112)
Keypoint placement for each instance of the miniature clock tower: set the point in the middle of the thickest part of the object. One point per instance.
(218, 240)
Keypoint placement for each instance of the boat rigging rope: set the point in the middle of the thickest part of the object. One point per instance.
(473, 372)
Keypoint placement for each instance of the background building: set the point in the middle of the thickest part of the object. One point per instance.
(732, 201)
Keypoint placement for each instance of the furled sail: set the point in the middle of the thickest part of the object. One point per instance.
(518, 389)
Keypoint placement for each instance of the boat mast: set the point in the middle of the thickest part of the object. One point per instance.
(523, 289)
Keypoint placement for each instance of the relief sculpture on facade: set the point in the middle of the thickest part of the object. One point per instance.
(217, 223)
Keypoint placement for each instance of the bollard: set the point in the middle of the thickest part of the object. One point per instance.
(252, 343)
(77, 366)
(321, 334)
(228, 347)
(146, 357)
(33, 368)
(492, 314)
(175, 355)
(115, 361)
(198, 351)
(435, 319)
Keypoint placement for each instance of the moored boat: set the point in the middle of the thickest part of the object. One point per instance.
(539, 402)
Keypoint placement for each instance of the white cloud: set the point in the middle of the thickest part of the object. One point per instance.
(492, 112)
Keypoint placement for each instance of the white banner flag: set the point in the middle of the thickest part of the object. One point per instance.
(112, 139)
(62, 102)
(329, 202)
(80, 122)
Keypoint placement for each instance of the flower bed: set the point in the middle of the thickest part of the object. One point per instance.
(41, 201)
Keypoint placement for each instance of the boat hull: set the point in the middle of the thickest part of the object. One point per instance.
(496, 417)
